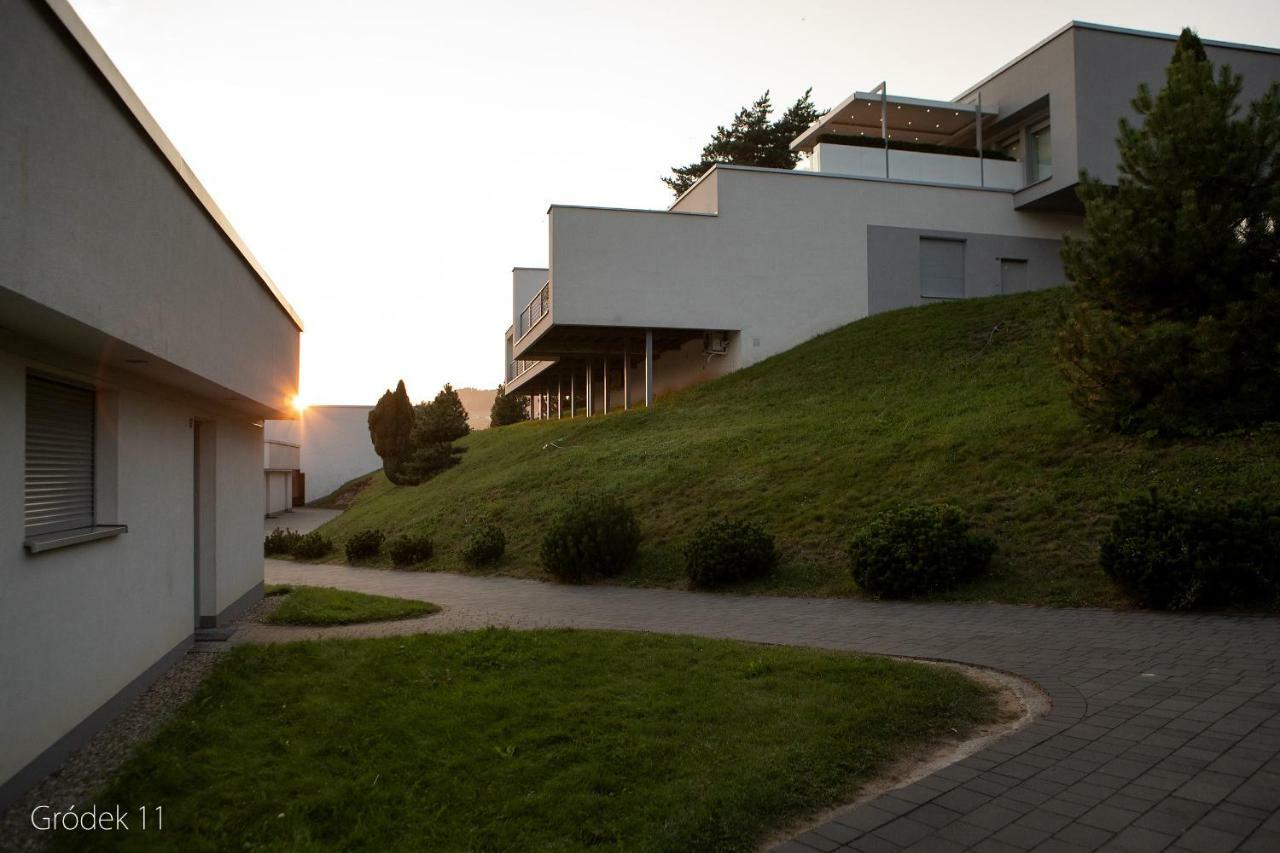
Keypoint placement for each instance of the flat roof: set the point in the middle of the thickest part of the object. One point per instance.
(1106, 28)
(859, 114)
(98, 56)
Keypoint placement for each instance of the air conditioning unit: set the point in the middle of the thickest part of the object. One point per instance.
(715, 343)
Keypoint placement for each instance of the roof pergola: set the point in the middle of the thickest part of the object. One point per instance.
(908, 119)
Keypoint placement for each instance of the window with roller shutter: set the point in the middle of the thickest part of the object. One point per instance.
(59, 486)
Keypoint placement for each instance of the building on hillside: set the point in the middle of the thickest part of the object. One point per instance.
(902, 201)
(282, 467)
(141, 347)
(333, 447)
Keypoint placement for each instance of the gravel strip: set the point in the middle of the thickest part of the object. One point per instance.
(87, 769)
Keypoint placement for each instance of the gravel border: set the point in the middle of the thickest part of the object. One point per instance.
(87, 769)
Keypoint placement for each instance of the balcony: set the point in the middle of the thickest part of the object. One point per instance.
(538, 307)
(870, 161)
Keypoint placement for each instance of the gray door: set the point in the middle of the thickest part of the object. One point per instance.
(1013, 275)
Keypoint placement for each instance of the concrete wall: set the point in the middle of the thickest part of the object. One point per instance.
(1044, 78)
(79, 624)
(96, 224)
(335, 445)
(1109, 66)
(893, 263)
(915, 166)
(785, 259)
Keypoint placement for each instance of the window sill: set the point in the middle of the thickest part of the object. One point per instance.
(67, 538)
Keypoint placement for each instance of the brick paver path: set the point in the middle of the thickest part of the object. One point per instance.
(1164, 731)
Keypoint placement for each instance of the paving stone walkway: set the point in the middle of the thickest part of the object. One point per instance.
(1164, 733)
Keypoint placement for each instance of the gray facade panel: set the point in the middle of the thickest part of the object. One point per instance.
(895, 274)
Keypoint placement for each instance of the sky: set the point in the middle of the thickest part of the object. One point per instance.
(389, 162)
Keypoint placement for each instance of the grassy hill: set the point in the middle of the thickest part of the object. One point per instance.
(958, 402)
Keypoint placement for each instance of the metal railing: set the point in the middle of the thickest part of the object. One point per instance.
(538, 307)
(518, 368)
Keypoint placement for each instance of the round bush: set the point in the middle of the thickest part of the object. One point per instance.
(485, 547)
(591, 537)
(408, 549)
(917, 550)
(726, 551)
(1178, 552)
(312, 546)
(280, 541)
(364, 545)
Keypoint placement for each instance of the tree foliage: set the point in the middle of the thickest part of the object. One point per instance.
(508, 408)
(1176, 328)
(391, 428)
(753, 138)
(416, 442)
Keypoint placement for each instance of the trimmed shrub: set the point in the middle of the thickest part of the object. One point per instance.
(408, 549)
(1179, 552)
(591, 537)
(917, 550)
(312, 546)
(279, 542)
(364, 545)
(485, 547)
(726, 551)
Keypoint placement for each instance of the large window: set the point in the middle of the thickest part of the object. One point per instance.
(59, 489)
(941, 268)
(1040, 154)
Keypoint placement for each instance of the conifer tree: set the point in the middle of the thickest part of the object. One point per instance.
(753, 138)
(391, 427)
(508, 408)
(1176, 326)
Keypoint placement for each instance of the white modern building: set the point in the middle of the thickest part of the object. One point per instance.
(333, 447)
(141, 348)
(902, 201)
(282, 469)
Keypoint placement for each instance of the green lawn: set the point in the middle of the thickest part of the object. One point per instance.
(322, 605)
(547, 740)
(958, 401)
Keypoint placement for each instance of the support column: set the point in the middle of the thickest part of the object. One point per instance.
(648, 368)
(626, 374)
(604, 379)
(559, 398)
(588, 387)
(573, 394)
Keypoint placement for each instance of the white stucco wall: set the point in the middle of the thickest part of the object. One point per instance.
(335, 445)
(784, 260)
(73, 158)
(79, 624)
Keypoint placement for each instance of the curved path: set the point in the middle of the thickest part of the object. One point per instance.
(1164, 731)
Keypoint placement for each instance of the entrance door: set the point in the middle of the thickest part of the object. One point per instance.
(203, 516)
(1013, 275)
(195, 518)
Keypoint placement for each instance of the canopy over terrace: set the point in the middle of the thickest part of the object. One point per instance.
(879, 114)
(580, 367)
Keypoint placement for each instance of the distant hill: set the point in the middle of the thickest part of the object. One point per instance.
(477, 402)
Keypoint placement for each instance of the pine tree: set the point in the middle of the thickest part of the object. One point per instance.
(1176, 328)
(751, 139)
(391, 427)
(442, 420)
(508, 408)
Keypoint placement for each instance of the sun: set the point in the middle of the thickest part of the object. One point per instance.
(299, 405)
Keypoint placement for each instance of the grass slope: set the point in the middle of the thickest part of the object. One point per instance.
(322, 605)
(549, 740)
(958, 401)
